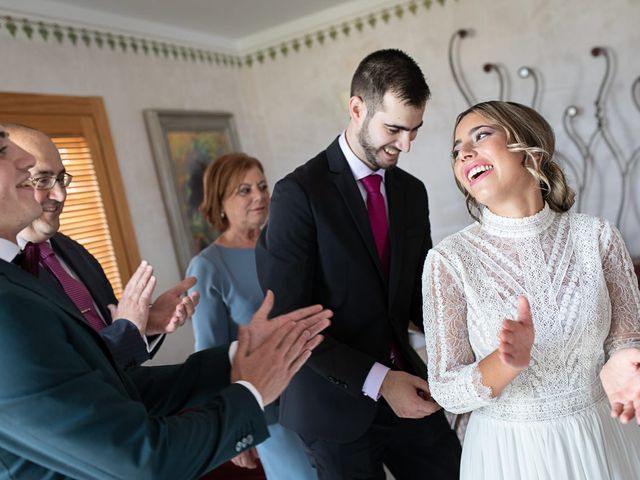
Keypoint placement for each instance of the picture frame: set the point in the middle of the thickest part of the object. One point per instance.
(183, 143)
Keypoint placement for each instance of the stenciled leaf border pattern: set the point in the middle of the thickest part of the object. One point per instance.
(116, 42)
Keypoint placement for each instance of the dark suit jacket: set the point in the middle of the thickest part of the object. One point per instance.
(318, 248)
(68, 411)
(123, 338)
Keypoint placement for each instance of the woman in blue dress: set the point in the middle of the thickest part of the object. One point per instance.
(236, 203)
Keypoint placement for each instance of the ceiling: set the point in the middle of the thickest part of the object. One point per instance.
(234, 25)
(233, 19)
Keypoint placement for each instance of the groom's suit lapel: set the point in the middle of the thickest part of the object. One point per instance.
(353, 202)
(397, 208)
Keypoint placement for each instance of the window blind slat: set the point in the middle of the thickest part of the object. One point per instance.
(83, 218)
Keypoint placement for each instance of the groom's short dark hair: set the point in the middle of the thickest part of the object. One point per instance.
(392, 71)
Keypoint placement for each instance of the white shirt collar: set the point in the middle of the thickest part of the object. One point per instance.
(8, 250)
(22, 242)
(358, 167)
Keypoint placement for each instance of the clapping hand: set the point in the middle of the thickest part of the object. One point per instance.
(620, 378)
(314, 318)
(270, 352)
(136, 296)
(172, 308)
(516, 337)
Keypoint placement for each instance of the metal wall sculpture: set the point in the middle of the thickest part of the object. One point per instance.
(582, 166)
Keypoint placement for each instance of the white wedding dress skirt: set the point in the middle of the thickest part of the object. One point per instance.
(588, 445)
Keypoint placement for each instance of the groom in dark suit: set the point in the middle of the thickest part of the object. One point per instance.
(68, 411)
(129, 343)
(351, 230)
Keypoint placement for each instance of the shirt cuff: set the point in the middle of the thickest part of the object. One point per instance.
(254, 391)
(373, 382)
(149, 345)
(233, 348)
(146, 343)
(152, 344)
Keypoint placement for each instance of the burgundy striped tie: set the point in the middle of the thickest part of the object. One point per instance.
(74, 289)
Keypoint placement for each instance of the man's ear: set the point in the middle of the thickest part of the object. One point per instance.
(357, 110)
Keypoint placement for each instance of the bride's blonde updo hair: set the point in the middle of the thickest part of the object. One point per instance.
(527, 132)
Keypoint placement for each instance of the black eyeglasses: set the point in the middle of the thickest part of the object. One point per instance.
(47, 182)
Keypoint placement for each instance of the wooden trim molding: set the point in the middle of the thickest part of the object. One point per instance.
(79, 36)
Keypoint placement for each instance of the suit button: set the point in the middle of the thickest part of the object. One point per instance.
(249, 439)
(239, 447)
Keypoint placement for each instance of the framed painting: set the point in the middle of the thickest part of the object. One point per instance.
(183, 144)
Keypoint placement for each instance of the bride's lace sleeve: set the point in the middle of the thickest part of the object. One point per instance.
(454, 376)
(623, 292)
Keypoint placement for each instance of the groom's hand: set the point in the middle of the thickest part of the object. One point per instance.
(407, 395)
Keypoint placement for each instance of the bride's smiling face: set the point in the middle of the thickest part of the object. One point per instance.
(485, 167)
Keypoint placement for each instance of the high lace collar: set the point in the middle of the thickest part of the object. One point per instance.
(517, 227)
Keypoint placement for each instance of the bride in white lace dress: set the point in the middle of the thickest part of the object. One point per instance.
(529, 374)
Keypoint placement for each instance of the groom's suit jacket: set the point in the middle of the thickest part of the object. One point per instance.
(318, 248)
(68, 411)
(123, 338)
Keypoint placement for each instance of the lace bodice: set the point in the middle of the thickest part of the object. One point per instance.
(578, 277)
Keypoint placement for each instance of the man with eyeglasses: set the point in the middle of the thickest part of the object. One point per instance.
(64, 262)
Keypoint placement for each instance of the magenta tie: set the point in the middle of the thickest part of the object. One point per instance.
(74, 289)
(380, 228)
(378, 218)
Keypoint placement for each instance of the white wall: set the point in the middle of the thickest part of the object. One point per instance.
(301, 98)
(289, 109)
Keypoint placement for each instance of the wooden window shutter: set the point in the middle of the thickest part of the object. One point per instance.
(83, 217)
